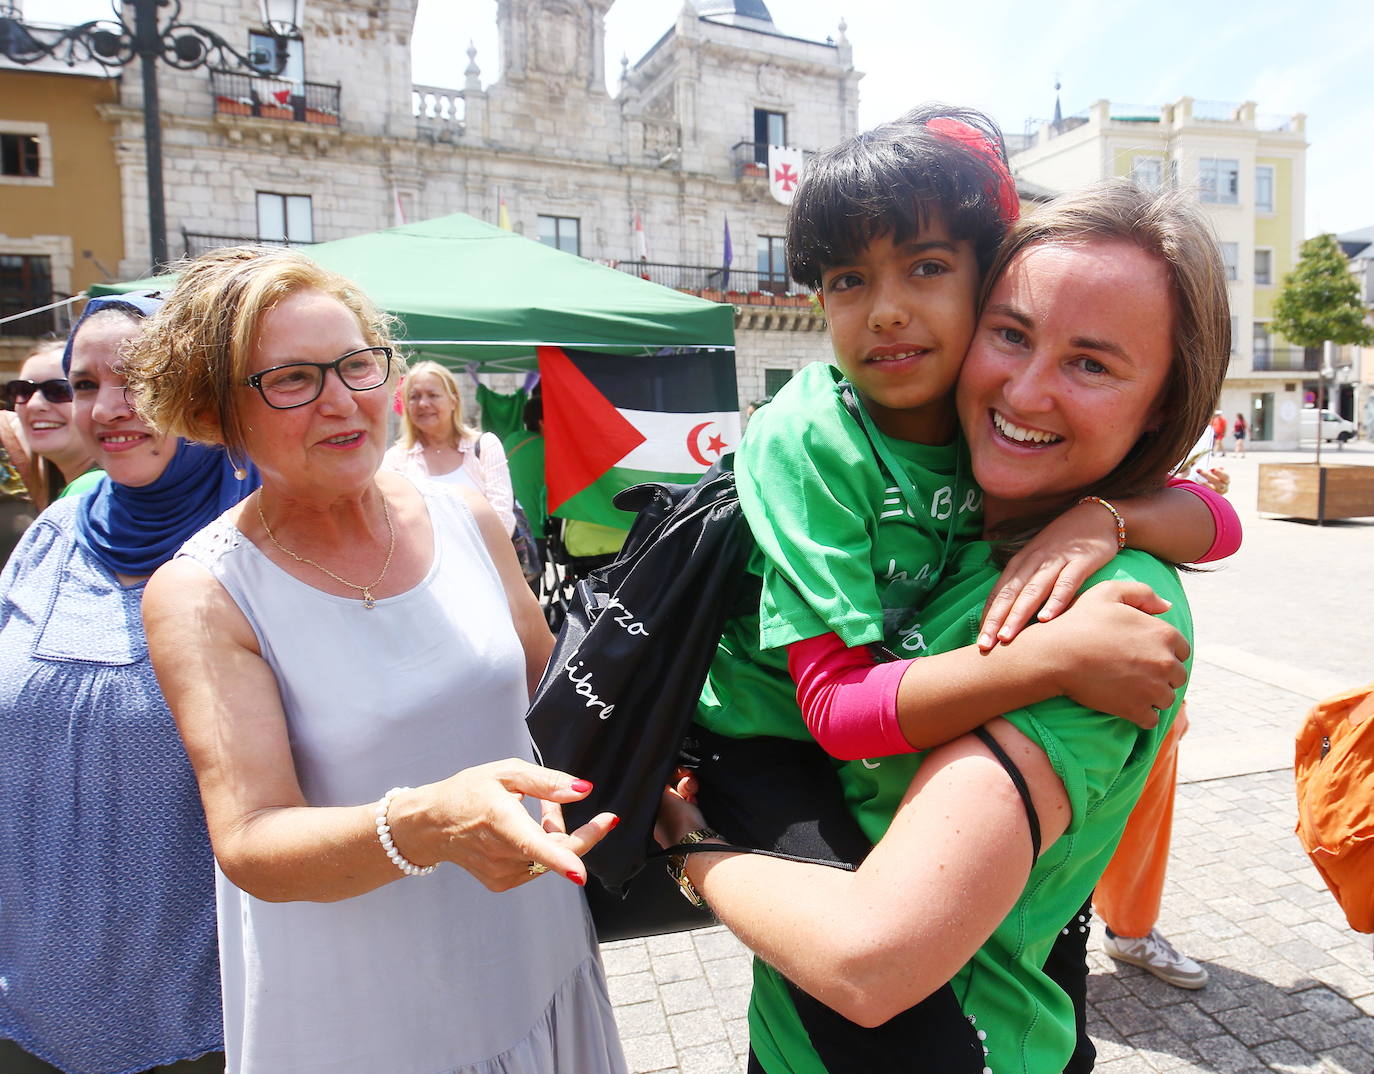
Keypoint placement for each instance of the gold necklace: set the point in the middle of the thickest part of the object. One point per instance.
(369, 602)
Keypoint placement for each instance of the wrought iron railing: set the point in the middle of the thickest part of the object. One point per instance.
(238, 94)
(197, 243)
(751, 158)
(1286, 360)
(739, 286)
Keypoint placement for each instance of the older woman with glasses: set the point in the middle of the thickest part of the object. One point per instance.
(348, 658)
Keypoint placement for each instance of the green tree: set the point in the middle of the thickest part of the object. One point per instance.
(1320, 299)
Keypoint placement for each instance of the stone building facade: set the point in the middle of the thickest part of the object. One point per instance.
(342, 142)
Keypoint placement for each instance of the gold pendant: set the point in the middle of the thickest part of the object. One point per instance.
(368, 602)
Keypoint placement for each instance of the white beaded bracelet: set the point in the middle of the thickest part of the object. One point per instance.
(384, 834)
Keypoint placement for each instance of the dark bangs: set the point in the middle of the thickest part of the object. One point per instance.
(887, 182)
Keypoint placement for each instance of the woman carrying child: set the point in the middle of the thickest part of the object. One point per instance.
(1072, 388)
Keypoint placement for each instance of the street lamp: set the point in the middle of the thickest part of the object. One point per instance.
(114, 43)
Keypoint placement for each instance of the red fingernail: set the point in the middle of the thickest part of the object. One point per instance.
(614, 822)
(575, 878)
(581, 786)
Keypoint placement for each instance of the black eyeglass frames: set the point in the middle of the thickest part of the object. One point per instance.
(298, 383)
(54, 391)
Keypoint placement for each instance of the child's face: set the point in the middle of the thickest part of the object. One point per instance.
(901, 318)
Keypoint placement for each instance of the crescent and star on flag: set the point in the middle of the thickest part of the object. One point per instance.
(716, 443)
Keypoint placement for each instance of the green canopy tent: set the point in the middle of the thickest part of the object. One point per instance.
(470, 292)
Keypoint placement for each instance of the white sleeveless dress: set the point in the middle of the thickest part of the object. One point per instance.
(426, 975)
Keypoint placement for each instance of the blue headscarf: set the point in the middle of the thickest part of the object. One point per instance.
(134, 531)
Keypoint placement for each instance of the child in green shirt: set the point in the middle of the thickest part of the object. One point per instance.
(857, 489)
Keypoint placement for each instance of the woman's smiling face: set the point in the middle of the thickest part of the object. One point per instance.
(122, 443)
(48, 425)
(1066, 371)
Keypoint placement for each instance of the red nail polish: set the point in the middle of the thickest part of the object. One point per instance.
(575, 878)
(581, 786)
(614, 822)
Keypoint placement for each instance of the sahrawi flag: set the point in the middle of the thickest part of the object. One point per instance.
(612, 421)
(784, 172)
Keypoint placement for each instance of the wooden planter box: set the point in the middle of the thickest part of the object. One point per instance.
(1306, 490)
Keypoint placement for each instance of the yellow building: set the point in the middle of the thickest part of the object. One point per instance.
(1248, 171)
(61, 212)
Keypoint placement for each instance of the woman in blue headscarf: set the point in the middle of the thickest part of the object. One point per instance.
(108, 961)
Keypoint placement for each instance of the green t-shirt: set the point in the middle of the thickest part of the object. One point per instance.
(838, 549)
(525, 457)
(82, 484)
(1103, 762)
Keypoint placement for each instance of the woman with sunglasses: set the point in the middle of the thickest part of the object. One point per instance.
(41, 399)
(348, 657)
(107, 927)
(41, 444)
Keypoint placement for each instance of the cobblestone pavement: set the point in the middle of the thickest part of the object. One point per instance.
(1292, 986)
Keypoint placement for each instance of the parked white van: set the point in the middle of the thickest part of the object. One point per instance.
(1334, 427)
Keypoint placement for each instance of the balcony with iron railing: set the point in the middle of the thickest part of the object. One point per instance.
(1286, 360)
(239, 94)
(196, 243)
(747, 287)
(751, 159)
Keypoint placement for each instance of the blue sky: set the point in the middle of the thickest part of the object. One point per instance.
(992, 54)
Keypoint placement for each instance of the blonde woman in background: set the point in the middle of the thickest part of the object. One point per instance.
(436, 444)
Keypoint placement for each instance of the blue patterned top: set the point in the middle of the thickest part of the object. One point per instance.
(108, 960)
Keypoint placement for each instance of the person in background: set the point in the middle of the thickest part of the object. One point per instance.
(436, 443)
(42, 399)
(1129, 895)
(1240, 429)
(107, 896)
(1219, 432)
(344, 631)
(40, 441)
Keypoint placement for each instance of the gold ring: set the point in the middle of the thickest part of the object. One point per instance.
(537, 868)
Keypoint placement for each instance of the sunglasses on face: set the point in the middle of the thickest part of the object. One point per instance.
(54, 391)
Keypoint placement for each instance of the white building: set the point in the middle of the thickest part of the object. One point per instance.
(1249, 173)
(342, 143)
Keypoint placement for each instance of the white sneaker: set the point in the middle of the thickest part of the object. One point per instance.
(1157, 955)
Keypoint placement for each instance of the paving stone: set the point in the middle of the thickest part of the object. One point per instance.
(1227, 1054)
(1286, 1056)
(680, 966)
(717, 943)
(670, 944)
(691, 1029)
(652, 1053)
(1129, 1016)
(715, 1058)
(1328, 1005)
(690, 995)
(641, 1019)
(1311, 1031)
(627, 988)
(1348, 1060)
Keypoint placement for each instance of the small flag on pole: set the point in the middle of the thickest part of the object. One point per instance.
(727, 258)
(784, 172)
(399, 210)
(502, 216)
(641, 245)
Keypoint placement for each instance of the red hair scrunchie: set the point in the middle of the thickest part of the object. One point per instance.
(1004, 196)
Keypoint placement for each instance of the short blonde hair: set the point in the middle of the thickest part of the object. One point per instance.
(449, 385)
(194, 353)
